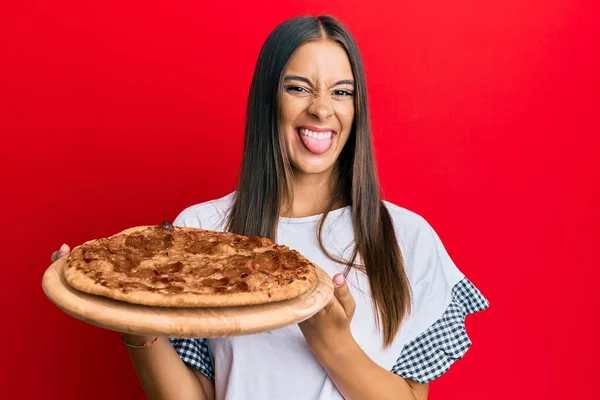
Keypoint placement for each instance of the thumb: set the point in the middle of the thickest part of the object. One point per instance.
(343, 295)
(63, 251)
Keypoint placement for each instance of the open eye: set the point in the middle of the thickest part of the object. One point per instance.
(343, 93)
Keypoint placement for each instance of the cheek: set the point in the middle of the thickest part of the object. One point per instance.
(290, 110)
(345, 116)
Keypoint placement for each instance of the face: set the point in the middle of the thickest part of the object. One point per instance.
(317, 106)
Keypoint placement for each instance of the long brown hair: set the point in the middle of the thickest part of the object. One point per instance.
(264, 180)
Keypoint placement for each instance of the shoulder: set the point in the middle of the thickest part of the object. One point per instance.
(210, 214)
(408, 224)
(422, 249)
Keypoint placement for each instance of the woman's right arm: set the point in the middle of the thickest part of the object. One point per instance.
(160, 370)
(162, 373)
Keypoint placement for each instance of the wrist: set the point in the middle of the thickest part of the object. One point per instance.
(339, 358)
(342, 344)
(135, 341)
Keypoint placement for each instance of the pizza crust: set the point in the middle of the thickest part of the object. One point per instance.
(86, 284)
(304, 281)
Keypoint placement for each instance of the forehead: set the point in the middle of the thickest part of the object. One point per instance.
(322, 61)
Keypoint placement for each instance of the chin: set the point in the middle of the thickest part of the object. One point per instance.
(310, 168)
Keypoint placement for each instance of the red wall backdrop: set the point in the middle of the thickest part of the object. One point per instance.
(485, 120)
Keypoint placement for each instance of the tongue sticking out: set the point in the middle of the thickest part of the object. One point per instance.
(317, 146)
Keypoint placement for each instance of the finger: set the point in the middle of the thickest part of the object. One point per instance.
(63, 251)
(343, 295)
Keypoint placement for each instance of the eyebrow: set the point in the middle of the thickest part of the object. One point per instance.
(306, 80)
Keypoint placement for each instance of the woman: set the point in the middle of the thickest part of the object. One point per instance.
(308, 180)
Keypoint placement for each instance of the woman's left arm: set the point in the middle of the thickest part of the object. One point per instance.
(356, 376)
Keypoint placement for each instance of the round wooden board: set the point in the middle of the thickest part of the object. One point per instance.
(182, 322)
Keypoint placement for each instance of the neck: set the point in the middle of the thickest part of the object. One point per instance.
(311, 194)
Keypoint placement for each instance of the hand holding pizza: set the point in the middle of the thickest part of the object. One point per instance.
(330, 327)
(63, 251)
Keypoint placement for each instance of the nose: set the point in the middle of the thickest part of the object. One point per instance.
(321, 107)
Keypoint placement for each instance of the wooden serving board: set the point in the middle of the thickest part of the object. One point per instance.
(182, 322)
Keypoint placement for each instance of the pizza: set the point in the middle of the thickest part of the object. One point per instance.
(170, 266)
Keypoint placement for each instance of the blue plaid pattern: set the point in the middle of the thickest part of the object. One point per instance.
(196, 353)
(430, 355)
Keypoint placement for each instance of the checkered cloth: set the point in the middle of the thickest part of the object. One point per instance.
(424, 359)
(430, 355)
(196, 353)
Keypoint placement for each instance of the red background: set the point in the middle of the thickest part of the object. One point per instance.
(485, 120)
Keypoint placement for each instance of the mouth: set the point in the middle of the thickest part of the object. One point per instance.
(316, 140)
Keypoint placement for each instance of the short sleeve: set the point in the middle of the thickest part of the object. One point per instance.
(196, 354)
(210, 215)
(432, 353)
(187, 218)
(442, 299)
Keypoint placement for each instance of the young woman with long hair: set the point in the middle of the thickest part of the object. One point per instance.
(308, 180)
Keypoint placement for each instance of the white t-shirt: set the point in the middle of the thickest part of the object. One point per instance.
(280, 365)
